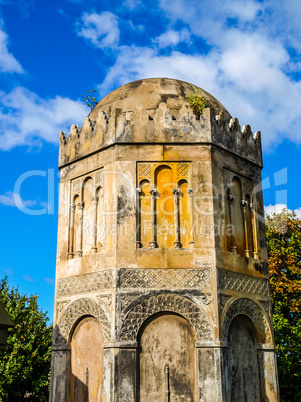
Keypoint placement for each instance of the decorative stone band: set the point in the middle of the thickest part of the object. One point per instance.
(242, 283)
(196, 315)
(164, 278)
(254, 312)
(87, 283)
(78, 309)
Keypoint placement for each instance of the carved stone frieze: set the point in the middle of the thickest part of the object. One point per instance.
(60, 307)
(75, 186)
(144, 169)
(182, 169)
(86, 283)
(164, 278)
(80, 308)
(223, 299)
(126, 299)
(205, 299)
(98, 177)
(106, 299)
(242, 283)
(253, 311)
(195, 315)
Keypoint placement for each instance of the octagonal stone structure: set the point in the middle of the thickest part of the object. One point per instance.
(161, 280)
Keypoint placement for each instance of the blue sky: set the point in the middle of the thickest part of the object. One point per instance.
(246, 53)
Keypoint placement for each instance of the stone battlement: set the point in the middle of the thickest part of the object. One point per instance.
(108, 126)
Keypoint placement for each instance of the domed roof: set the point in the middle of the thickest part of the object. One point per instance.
(149, 93)
(157, 111)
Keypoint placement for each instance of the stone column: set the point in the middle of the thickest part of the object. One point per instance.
(95, 205)
(209, 361)
(254, 231)
(176, 193)
(231, 199)
(138, 218)
(60, 374)
(244, 205)
(123, 356)
(153, 193)
(79, 246)
(190, 194)
(71, 232)
(268, 368)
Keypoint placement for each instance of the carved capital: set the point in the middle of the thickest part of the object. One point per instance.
(94, 199)
(231, 198)
(80, 205)
(244, 203)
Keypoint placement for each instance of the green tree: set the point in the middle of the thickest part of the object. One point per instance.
(25, 364)
(283, 233)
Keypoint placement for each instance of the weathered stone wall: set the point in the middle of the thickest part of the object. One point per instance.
(147, 194)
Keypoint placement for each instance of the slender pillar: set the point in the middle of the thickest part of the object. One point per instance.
(71, 232)
(244, 205)
(176, 193)
(190, 194)
(153, 193)
(95, 206)
(231, 199)
(254, 231)
(79, 251)
(167, 387)
(138, 218)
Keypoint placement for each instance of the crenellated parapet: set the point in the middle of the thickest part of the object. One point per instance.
(161, 117)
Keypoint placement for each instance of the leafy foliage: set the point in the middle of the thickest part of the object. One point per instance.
(25, 364)
(90, 99)
(283, 233)
(196, 102)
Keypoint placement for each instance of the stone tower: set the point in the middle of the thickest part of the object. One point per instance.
(162, 289)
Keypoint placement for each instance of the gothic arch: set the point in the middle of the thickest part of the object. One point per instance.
(79, 309)
(248, 307)
(197, 316)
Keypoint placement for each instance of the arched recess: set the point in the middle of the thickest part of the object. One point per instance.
(249, 226)
(86, 375)
(244, 382)
(138, 312)
(165, 206)
(80, 308)
(73, 226)
(99, 218)
(238, 223)
(167, 359)
(228, 235)
(184, 214)
(256, 314)
(88, 215)
(146, 229)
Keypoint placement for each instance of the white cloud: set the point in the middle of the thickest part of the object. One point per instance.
(8, 63)
(252, 88)
(277, 208)
(247, 67)
(100, 29)
(28, 278)
(26, 119)
(172, 38)
(131, 4)
(243, 10)
(12, 200)
(49, 280)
